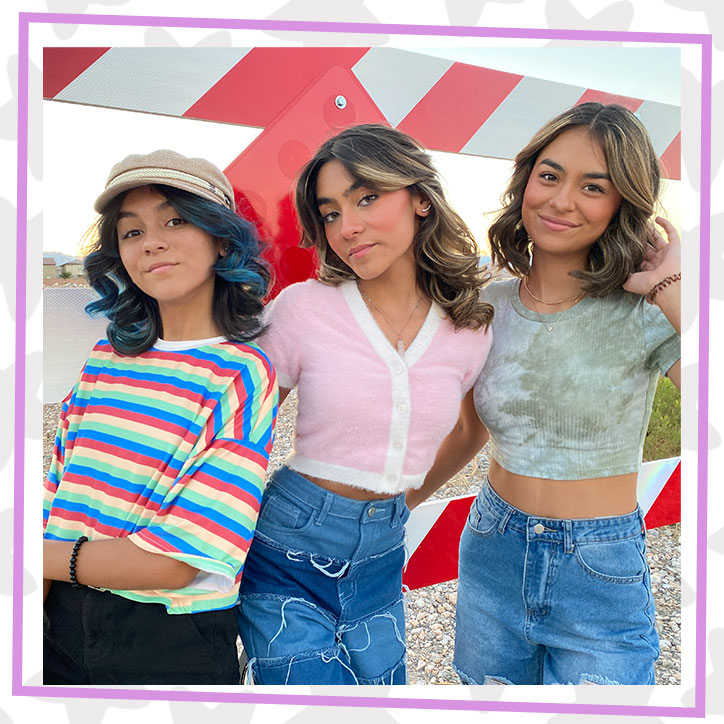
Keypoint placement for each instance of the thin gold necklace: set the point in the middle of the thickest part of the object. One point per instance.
(400, 344)
(543, 301)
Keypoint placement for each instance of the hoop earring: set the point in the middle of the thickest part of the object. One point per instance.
(426, 209)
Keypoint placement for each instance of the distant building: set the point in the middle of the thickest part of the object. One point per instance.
(50, 271)
(57, 265)
(71, 269)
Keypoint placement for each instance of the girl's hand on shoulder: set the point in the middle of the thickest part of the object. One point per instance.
(663, 259)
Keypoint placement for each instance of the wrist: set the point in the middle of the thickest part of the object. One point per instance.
(661, 285)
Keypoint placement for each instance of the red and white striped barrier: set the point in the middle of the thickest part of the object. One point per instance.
(434, 528)
(447, 105)
(302, 96)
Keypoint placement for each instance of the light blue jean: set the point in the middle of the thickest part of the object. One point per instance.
(321, 593)
(549, 601)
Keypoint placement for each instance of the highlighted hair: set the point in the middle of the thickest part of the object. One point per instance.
(634, 170)
(385, 159)
(242, 278)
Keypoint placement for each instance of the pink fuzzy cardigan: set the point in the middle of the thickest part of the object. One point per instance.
(366, 416)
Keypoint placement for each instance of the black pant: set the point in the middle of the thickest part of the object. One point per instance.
(96, 637)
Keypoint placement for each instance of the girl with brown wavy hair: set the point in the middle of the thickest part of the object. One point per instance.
(384, 347)
(554, 586)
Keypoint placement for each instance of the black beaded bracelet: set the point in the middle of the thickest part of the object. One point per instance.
(73, 556)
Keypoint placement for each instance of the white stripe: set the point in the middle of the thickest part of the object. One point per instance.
(398, 80)
(662, 121)
(526, 108)
(421, 521)
(154, 80)
(653, 476)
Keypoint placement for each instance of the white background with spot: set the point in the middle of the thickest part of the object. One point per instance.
(695, 16)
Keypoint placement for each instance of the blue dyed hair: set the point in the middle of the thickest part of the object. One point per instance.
(242, 277)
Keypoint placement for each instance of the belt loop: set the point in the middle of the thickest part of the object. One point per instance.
(568, 536)
(504, 520)
(643, 523)
(396, 517)
(326, 505)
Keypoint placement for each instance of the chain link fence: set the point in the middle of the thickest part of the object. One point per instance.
(68, 336)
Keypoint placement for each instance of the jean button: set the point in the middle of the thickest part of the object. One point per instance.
(371, 511)
(538, 528)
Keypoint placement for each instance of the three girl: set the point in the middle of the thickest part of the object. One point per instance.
(384, 348)
(161, 451)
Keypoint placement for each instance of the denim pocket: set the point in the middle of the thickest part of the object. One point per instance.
(617, 561)
(481, 520)
(283, 514)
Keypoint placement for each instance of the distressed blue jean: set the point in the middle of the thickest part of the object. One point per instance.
(321, 594)
(551, 601)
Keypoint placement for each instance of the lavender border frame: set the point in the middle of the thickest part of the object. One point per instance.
(705, 41)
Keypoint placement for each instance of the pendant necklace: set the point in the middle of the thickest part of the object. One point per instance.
(400, 344)
(549, 326)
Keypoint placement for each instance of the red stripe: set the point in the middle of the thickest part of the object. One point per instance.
(140, 418)
(234, 491)
(96, 526)
(603, 97)
(113, 451)
(671, 159)
(436, 558)
(666, 509)
(153, 386)
(239, 450)
(258, 87)
(61, 66)
(457, 106)
(111, 492)
(199, 522)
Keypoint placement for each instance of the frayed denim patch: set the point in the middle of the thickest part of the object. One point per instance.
(322, 603)
(596, 680)
(314, 665)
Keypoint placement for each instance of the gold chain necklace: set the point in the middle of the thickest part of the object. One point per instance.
(542, 301)
(400, 344)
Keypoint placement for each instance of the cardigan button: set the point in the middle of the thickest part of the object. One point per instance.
(402, 409)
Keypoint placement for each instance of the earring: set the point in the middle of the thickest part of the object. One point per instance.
(426, 209)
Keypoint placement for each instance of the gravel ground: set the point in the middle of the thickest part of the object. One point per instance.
(431, 611)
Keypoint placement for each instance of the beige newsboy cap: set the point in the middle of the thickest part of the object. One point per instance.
(196, 175)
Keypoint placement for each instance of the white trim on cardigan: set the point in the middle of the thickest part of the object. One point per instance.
(391, 479)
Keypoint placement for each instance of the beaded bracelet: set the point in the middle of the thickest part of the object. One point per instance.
(663, 283)
(73, 556)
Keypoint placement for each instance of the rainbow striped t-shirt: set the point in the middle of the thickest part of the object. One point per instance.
(170, 448)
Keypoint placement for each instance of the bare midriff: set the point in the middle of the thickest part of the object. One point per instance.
(586, 498)
(349, 491)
